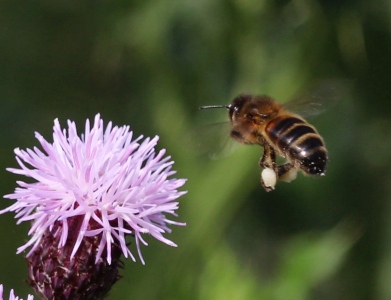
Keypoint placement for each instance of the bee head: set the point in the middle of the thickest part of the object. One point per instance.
(256, 109)
(237, 106)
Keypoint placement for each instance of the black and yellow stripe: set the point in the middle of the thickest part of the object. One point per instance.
(300, 141)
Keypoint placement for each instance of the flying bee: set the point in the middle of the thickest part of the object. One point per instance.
(260, 120)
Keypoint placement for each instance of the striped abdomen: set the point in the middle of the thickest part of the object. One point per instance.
(299, 141)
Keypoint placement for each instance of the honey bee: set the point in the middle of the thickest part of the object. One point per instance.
(260, 120)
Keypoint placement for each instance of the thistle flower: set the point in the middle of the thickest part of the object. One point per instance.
(12, 295)
(90, 193)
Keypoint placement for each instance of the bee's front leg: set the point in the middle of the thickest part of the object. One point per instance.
(269, 175)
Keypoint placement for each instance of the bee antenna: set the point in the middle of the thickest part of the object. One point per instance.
(214, 106)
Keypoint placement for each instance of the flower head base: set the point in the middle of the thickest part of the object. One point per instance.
(118, 186)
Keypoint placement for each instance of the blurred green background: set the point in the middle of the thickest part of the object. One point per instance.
(151, 64)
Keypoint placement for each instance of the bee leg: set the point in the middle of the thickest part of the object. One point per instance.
(268, 159)
(287, 172)
(269, 175)
(268, 179)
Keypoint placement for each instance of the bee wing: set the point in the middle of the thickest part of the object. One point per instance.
(324, 94)
(215, 140)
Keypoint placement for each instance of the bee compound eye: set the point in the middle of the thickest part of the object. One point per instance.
(249, 116)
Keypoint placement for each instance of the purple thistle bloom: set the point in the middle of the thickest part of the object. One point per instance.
(12, 295)
(117, 183)
(89, 194)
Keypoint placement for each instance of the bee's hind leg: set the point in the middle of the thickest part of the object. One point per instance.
(287, 172)
(269, 175)
(268, 159)
(272, 173)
